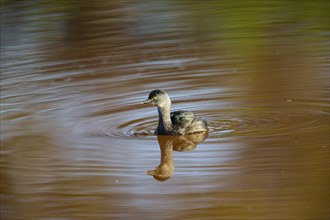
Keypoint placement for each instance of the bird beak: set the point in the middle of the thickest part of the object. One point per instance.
(146, 101)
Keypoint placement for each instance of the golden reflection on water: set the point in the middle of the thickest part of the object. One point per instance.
(169, 143)
(76, 143)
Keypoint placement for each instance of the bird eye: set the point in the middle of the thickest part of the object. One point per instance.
(154, 98)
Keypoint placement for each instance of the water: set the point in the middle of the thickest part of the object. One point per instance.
(77, 144)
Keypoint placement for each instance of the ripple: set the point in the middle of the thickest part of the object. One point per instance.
(143, 127)
(265, 122)
(129, 118)
(140, 121)
(129, 123)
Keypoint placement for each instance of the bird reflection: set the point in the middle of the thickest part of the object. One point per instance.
(169, 143)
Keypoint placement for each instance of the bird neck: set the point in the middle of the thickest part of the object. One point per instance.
(164, 114)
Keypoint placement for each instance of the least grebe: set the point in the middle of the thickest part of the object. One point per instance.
(175, 123)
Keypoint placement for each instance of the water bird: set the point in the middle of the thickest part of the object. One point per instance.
(174, 123)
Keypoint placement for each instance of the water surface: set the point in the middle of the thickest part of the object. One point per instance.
(77, 144)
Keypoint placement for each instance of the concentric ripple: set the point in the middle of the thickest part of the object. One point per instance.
(140, 121)
(126, 124)
(135, 127)
(265, 122)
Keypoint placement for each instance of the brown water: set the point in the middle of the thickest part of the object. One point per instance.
(77, 144)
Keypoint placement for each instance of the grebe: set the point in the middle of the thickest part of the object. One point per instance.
(175, 123)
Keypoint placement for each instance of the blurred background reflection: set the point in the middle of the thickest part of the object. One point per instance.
(76, 143)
